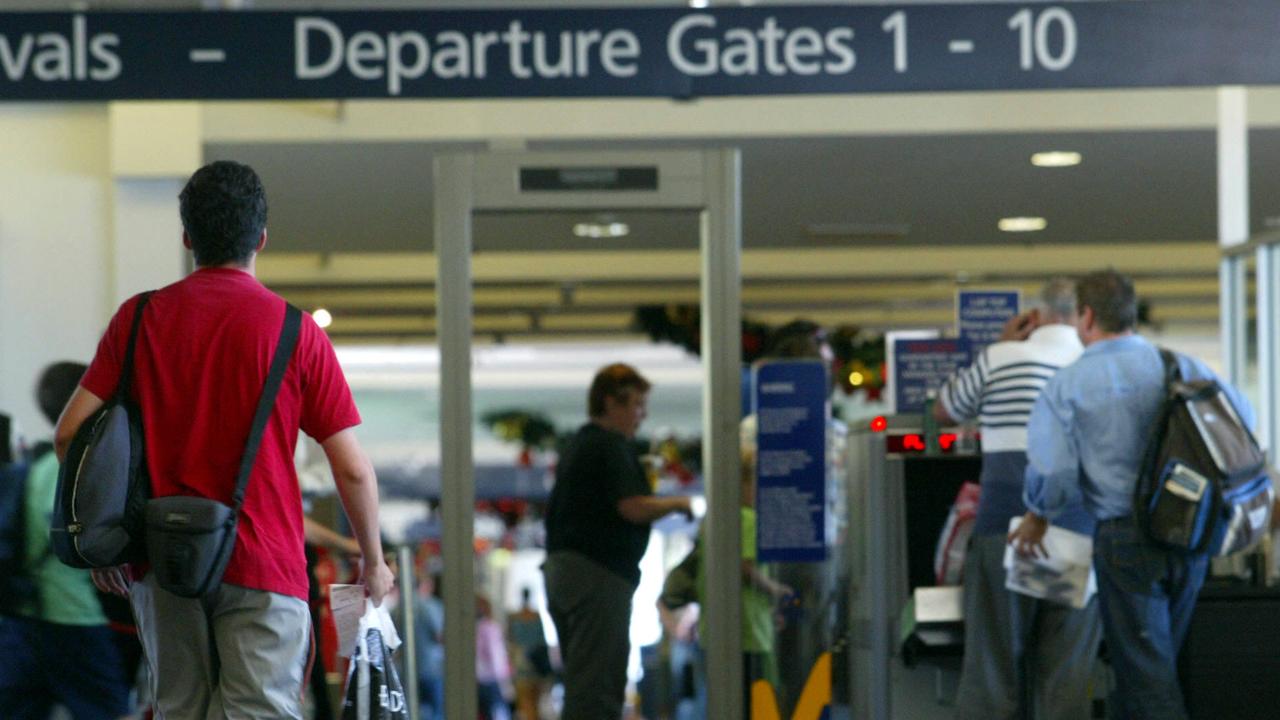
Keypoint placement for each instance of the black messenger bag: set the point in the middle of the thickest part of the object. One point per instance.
(103, 484)
(190, 539)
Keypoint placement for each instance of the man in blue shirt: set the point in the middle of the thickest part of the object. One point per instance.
(1085, 442)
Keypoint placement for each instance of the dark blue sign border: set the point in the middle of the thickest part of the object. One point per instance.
(642, 52)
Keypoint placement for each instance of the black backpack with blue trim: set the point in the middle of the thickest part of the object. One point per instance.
(1204, 485)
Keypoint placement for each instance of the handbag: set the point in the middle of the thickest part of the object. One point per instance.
(190, 539)
(103, 483)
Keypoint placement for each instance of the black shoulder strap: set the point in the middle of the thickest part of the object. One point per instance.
(126, 369)
(267, 401)
(1172, 373)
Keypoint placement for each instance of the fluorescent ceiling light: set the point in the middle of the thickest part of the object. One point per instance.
(699, 3)
(1022, 224)
(322, 317)
(1056, 158)
(601, 230)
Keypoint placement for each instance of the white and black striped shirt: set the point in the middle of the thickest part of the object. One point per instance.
(1001, 386)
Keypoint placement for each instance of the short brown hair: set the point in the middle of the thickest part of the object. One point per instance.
(1111, 297)
(614, 381)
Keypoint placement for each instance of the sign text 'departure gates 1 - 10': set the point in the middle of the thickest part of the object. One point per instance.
(643, 52)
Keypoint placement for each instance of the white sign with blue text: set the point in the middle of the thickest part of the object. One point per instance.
(790, 400)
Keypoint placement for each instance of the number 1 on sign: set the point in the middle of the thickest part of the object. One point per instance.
(897, 24)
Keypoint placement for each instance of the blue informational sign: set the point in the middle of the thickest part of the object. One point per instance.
(922, 365)
(647, 52)
(982, 314)
(790, 403)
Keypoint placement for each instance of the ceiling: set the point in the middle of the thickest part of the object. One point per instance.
(872, 231)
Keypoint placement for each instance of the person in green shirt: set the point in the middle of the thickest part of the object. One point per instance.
(57, 646)
(760, 595)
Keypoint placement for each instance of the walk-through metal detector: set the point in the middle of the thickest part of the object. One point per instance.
(900, 491)
(707, 181)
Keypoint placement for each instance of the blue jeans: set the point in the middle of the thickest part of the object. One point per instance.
(430, 697)
(42, 664)
(1146, 596)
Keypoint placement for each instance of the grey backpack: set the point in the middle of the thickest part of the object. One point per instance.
(103, 483)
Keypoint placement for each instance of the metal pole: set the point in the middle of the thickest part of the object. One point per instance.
(878, 692)
(1232, 313)
(1233, 226)
(1268, 296)
(408, 593)
(453, 198)
(721, 414)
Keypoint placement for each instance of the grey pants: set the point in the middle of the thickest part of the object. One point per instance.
(1023, 657)
(591, 608)
(240, 653)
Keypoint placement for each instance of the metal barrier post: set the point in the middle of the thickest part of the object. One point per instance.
(408, 593)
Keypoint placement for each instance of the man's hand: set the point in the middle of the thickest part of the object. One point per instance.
(377, 580)
(1028, 537)
(1020, 327)
(114, 580)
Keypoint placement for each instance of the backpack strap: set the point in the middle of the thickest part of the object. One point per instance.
(1172, 371)
(125, 383)
(267, 401)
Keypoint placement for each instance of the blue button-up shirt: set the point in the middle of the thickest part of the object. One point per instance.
(1089, 427)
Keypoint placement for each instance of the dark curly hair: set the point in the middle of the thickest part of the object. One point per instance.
(224, 209)
(55, 387)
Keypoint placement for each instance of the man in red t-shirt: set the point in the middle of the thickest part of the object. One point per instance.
(202, 355)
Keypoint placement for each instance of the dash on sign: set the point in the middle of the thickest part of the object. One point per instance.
(208, 55)
(961, 46)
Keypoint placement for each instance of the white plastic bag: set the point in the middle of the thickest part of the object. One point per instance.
(953, 541)
(373, 690)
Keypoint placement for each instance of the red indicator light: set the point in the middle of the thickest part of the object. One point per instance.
(946, 440)
(913, 442)
(879, 424)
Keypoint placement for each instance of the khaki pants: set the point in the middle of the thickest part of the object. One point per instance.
(240, 653)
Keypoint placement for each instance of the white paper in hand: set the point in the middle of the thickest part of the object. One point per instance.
(353, 613)
(346, 602)
(1065, 577)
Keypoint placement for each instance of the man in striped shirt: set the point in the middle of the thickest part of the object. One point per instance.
(1023, 657)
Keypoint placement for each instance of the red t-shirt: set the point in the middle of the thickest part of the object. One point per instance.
(203, 353)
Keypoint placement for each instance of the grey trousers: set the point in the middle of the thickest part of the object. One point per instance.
(240, 653)
(591, 608)
(1023, 657)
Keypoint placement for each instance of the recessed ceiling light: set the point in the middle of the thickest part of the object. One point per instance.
(602, 230)
(1056, 158)
(322, 317)
(699, 3)
(1022, 224)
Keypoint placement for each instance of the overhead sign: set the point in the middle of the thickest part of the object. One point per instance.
(982, 314)
(923, 365)
(650, 52)
(790, 403)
